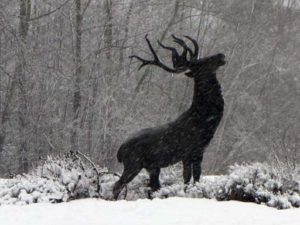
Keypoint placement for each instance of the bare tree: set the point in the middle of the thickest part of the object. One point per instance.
(77, 76)
(25, 12)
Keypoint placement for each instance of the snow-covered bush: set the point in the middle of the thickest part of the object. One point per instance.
(58, 179)
(77, 176)
(262, 184)
(72, 177)
(31, 189)
(256, 182)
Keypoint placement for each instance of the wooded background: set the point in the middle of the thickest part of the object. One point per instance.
(66, 82)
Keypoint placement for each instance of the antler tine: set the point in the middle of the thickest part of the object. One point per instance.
(144, 62)
(184, 45)
(175, 55)
(156, 61)
(196, 46)
(151, 49)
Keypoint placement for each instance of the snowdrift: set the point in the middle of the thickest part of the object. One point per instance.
(171, 211)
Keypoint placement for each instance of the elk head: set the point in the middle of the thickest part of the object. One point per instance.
(188, 60)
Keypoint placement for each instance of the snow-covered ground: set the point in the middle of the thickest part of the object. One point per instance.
(179, 211)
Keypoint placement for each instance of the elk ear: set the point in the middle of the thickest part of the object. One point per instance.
(190, 74)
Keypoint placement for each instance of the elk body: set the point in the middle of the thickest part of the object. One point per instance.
(186, 138)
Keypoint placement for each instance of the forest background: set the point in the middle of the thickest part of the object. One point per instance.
(66, 82)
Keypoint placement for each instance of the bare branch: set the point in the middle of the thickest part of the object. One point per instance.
(49, 13)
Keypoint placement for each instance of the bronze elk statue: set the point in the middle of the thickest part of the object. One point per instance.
(186, 138)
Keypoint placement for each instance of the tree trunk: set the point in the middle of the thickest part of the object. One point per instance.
(25, 9)
(109, 75)
(77, 77)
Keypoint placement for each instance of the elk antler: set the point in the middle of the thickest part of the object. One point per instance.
(184, 45)
(196, 50)
(179, 63)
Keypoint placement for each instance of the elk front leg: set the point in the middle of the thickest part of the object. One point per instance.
(187, 171)
(197, 169)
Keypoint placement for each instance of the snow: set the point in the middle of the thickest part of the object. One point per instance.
(179, 211)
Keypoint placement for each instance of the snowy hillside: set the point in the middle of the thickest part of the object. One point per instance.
(180, 211)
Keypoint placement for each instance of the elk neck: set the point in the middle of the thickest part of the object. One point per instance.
(207, 92)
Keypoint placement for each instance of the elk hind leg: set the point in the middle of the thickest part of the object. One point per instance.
(154, 178)
(128, 174)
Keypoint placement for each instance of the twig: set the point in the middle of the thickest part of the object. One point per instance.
(100, 174)
(49, 13)
(86, 6)
(90, 161)
(94, 168)
(49, 142)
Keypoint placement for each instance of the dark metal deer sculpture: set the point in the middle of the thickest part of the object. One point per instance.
(186, 138)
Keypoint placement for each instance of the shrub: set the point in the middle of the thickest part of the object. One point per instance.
(70, 177)
(58, 179)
